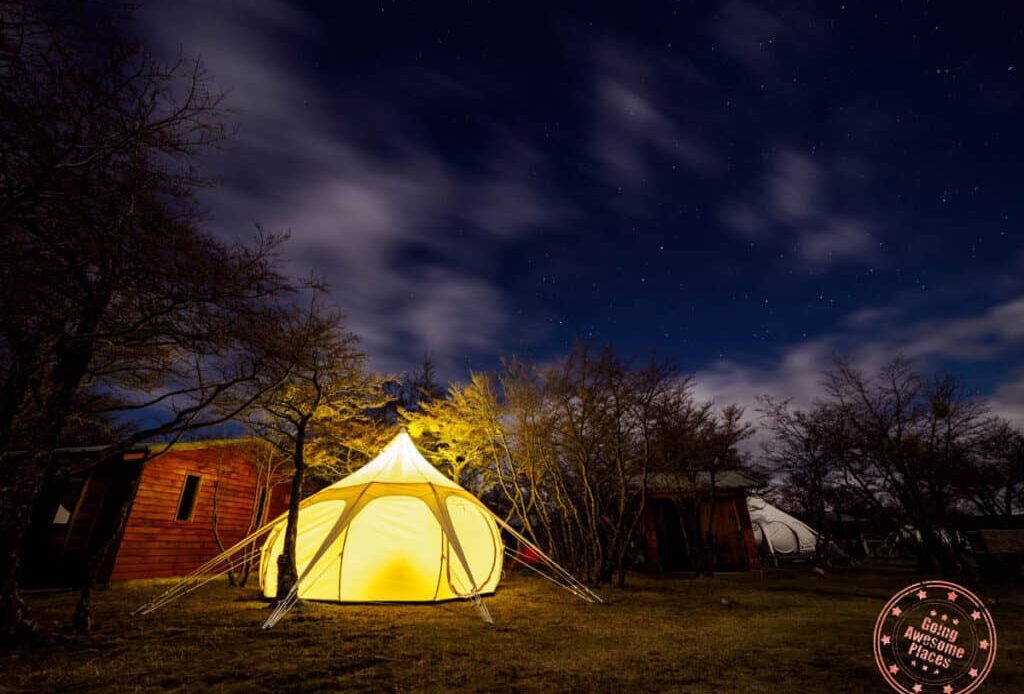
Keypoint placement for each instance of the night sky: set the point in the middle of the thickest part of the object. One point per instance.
(743, 187)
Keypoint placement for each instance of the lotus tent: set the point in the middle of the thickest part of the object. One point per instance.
(782, 535)
(396, 530)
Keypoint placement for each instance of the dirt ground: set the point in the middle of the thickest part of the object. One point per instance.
(777, 631)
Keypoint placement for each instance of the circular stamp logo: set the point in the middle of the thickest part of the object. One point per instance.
(935, 637)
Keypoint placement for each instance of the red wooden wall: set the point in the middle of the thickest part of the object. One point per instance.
(734, 537)
(155, 544)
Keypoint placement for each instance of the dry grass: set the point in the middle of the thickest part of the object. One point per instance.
(777, 631)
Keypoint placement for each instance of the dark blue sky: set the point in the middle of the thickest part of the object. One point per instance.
(744, 187)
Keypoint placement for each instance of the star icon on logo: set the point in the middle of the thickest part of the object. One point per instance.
(886, 640)
(973, 672)
(896, 611)
(921, 595)
(947, 689)
(916, 688)
(951, 596)
(983, 644)
(893, 669)
(975, 615)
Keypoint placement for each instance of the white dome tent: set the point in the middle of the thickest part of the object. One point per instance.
(781, 535)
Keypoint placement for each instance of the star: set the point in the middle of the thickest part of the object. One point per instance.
(893, 669)
(896, 611)
(945, 617)
(947, 689)
(932, 613)
(886, 640)
(975, 615)
(921, 595)
(925, 668)
(917, 689)
(973, 672)
(983, 645)
(951, 596)
(956, 621)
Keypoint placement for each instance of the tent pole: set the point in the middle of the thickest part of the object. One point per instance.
(548, 560)
(182, 587)
(514, 556)
(453, 543)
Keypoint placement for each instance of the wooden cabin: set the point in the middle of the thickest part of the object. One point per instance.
(185, 503)
(677, 510)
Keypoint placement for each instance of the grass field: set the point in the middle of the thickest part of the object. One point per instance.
(778, 631)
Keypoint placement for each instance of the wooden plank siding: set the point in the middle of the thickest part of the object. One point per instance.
(156, 544)
(671, 523)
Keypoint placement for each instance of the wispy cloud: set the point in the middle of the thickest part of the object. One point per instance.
(1008, 400)
(796, 373)
(794, 206)
(407, 238)
(635, 131)
(754, 35)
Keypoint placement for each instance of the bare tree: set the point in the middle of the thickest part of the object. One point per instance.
(716, 453)
(565, 450)
(115, 300)
(805, 451)
(267, 465)
(321, 377)
(907, 436)
(992, 481)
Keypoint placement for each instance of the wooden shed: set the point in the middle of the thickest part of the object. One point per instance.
(678, 510)
(186, 503)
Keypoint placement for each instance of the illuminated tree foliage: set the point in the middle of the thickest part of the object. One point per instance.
(565, 450)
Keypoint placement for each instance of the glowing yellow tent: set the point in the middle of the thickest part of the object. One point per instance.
(396, 530)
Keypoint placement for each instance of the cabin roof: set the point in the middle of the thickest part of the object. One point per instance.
(680, 482)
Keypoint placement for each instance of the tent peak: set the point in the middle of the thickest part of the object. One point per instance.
(399, 462)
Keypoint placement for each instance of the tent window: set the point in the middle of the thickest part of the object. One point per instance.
(261, 506)
(187, 503)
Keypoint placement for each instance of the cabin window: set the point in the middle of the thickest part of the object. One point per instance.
(187, 503)
(63, 515)
(261, 506)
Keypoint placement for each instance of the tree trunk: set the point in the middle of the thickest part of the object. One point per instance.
(20, 483)
(82, 618)
(215, 518)
(287, 573)
(15, 386)
(710, 548)
(73, 355)
(824, 538)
